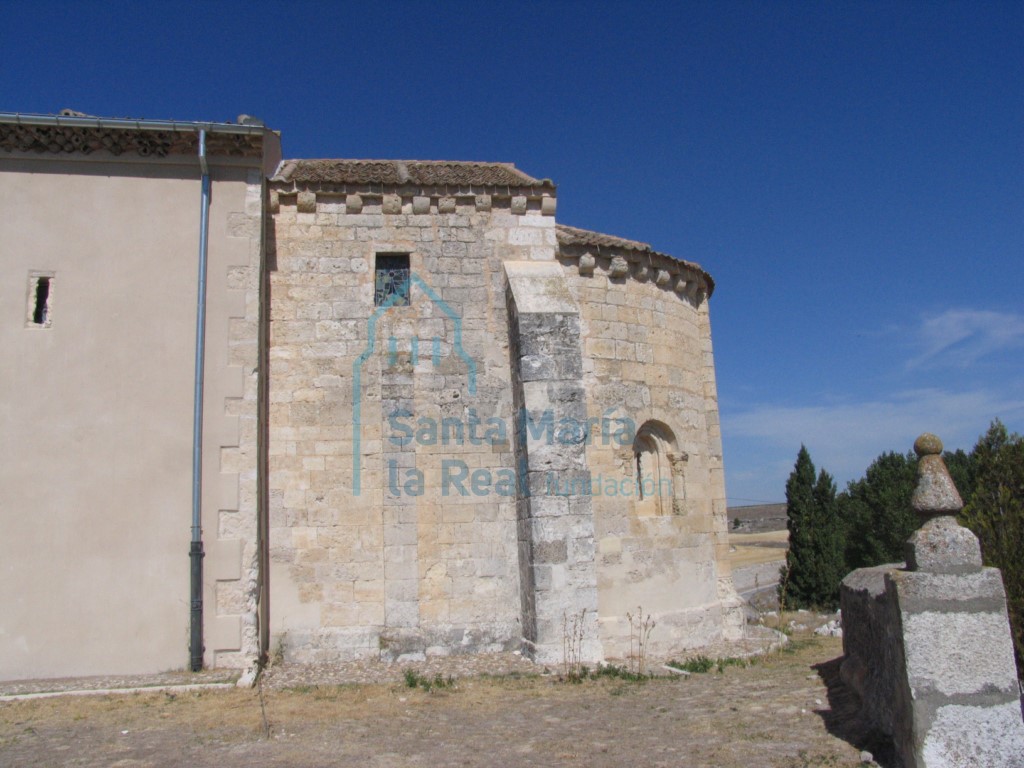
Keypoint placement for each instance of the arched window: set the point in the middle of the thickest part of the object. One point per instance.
(658, 467)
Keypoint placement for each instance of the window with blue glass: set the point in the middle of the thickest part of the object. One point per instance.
(391, 280)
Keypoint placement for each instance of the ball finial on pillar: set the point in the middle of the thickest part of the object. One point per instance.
(928, 445)
(935, 494)
(941, 545)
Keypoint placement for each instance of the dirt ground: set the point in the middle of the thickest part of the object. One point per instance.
(787, 709)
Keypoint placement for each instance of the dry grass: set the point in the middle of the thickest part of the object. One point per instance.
(749, 548)
(772, 713)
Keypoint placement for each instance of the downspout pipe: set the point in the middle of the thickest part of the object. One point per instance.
(196, 550)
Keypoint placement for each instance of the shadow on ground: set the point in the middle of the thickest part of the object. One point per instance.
(843, 719)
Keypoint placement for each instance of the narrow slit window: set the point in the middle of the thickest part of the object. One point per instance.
(391, 280)
(42, 309)
(40, 295)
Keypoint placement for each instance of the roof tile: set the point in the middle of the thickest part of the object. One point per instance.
(584, 237)
(419, 172)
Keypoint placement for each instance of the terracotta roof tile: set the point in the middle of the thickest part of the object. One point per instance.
(418, 172)
(584, 237)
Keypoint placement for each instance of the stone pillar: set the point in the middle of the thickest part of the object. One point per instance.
(558, 576)
(677, 462)
(931, 652)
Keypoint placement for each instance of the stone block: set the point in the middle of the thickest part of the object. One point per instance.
(542, 504)
(537, 368)
(942, 545)
(942, 653)
(306, 202)
(935, 493)
(619, 267)
(400, 591)
(919, 592)
(553, 457)
(353, 204)
(518, 205)
(550, 552)
(523, 236)
(542, 252)
(975, 736)
(446, 205)
(548, 205)
(420, 205)
(391, 204)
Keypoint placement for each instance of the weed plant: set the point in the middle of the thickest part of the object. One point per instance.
(701, 664)
(640, 628)
(414, 679)
(573, 629)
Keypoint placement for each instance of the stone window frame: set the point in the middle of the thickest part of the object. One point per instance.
(393, 290)
(656, 440)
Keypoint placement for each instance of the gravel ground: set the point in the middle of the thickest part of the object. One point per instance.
(787, 709)
(368, 671)
(759, 640)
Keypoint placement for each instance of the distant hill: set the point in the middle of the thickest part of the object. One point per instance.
(757, 518)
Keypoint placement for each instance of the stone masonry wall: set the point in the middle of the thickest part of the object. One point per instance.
(648, 360)
(401, 521)
(416, 552)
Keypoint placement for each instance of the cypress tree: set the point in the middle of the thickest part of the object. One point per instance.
(796, 586)
(814, 562)
(828, 542)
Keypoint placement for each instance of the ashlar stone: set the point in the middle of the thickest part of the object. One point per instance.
(942, 545)
(452, 457)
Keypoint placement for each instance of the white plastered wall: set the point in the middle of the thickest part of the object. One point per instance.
(95, 452)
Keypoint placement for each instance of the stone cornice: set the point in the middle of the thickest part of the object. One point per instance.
(85, 139)
(533, 192)
(406, 198)
(620, 258)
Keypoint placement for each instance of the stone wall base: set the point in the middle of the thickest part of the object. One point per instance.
(343, 644)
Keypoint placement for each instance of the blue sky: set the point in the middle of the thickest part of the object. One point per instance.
(852, 175)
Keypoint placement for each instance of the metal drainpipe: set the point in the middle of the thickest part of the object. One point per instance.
(196, 551)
